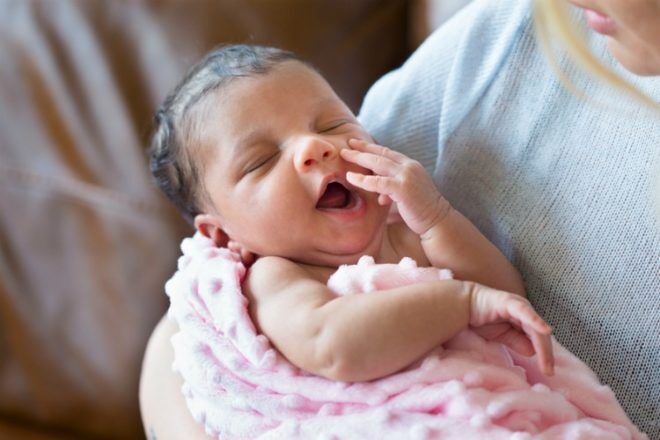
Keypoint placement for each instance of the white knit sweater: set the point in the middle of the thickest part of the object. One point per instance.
(564, 186)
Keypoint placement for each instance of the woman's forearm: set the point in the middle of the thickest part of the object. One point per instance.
(162, 404)
(372, 335)
(457, 244)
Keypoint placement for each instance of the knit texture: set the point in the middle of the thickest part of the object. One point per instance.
(565, 186)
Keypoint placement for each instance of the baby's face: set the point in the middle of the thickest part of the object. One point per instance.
(272, 169)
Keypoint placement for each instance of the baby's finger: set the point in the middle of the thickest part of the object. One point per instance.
(377, 184)
(378, 164)
(384, 200)
(539, 333)
(543, 346)
(370, 147)
(527, 317)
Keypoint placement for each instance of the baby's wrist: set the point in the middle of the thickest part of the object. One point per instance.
(465, 296)
(443, 210)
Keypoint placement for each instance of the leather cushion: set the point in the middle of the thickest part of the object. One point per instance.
(86, 241)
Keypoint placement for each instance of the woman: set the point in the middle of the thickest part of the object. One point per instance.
(562, 183)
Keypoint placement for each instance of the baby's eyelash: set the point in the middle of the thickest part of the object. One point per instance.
(337, 125)
(256, 166)
(259, 164)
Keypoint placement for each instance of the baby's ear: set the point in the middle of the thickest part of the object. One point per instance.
(209, 226)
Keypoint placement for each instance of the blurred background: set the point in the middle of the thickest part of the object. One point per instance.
(86, 241)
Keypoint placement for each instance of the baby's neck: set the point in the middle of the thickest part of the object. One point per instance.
(398, 241)
(390, 251)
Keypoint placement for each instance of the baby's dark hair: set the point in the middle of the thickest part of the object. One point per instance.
(172, 165)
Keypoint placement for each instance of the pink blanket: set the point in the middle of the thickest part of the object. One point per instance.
(238, 386)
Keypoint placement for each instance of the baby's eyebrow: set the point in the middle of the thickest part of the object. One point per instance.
(330, 103)
(250, 139)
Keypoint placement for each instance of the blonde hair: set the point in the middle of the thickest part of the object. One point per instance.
(552, 21)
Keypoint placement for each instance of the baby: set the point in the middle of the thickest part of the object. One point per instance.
(259, 153)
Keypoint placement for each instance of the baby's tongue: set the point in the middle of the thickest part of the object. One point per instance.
(335, 196)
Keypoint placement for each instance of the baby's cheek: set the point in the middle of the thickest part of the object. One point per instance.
(282, 191)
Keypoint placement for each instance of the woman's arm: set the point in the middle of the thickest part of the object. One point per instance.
(163, 407)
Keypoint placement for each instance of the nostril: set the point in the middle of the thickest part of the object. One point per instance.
(308, 162)
(326, 154)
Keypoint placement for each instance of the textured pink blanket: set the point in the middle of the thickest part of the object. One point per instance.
(238, 386)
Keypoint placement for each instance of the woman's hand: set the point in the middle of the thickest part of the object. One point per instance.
(163, 408)
(398, 178)
(501, 316)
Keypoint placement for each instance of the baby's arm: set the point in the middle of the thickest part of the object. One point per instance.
(454, 242)
(448, 238)
(364, 337)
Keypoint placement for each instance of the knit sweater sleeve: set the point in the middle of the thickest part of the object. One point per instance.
(415, 108)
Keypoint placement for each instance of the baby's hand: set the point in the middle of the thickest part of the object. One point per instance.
(506, 334)
(489, 306)
(399, 178)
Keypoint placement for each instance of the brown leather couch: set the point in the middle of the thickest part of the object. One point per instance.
(86, 241)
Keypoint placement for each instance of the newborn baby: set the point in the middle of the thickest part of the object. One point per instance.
(262, 156)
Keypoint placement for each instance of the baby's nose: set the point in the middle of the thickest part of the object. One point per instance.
(312, 151)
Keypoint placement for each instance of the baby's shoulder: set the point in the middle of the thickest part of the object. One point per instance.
(406, 243)
(271, 267)
(273, 271)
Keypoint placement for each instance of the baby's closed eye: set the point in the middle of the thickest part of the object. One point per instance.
(333, 126)
(260, 162)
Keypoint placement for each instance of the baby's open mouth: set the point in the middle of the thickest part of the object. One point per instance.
(337, 196)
